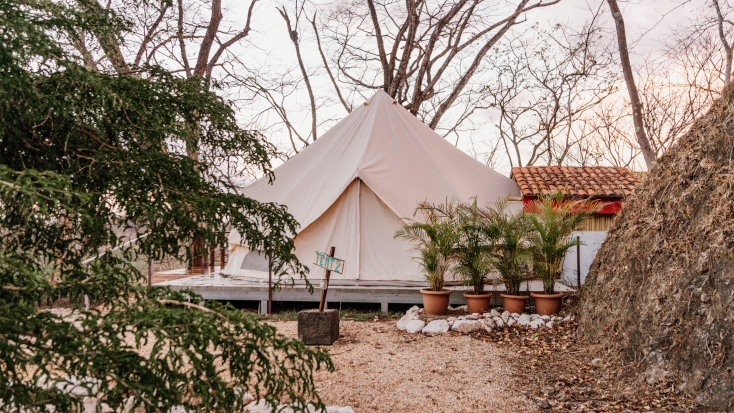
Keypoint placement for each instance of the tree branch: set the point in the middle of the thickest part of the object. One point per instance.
(380, 46)
(326, 66)
(202, 60)
(149, 35)
(185, 59)
(293, 32)
(239, 36)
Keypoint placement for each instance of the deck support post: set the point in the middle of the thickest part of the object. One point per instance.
(383, 307)
(263, 307)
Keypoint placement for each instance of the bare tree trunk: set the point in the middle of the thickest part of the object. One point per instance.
(293, 32)
(181, 42)
(380, 46)
(206, 44)
(81, 45)
(629, 79)
(727, 46)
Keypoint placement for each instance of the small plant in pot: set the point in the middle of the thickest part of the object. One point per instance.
(434, 239)
(473, 261)
(511, 255)
(553, 218)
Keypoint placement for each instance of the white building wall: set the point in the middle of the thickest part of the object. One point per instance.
(592, 241)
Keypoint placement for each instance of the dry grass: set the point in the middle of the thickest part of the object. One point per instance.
(380, 369)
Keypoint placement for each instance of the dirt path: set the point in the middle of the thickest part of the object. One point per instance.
(379, 369)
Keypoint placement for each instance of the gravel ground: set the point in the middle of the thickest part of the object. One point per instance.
(379, 369)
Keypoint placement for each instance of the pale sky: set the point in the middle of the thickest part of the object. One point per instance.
(648, 24)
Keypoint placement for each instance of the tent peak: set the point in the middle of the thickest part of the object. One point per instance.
(380, 96)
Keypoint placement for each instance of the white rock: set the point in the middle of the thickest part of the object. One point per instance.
(505, 316)
(567, 319)
(523, 320)
(42, 381)
(260, 406)
(466, 326)
(515, 315)
(414, 326)
(545, 318)
(510, 322)
(488, 322)
(128, 408)
(474, 316)
(90, 406)
(451, 323)
(487, 315)
(413, 309)
(346, 409)
(550, 324)
(498, 322)
(534, 317)
(461, 308)
(79, 391)
(537, 323)
(402, 323)
(462, 318)
(436, 326)
(495, 313)
(450, 319)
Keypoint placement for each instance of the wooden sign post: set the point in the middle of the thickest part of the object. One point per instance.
(321, 327)
(330, 264)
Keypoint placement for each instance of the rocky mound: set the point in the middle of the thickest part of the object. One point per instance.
(661, 289)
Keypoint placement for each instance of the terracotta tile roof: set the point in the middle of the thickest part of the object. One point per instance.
(576, 181)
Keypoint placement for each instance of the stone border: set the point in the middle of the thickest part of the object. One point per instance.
(413, 323)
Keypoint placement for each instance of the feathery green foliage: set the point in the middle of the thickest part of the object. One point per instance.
(511, 255)
(553, 219)
(85, 153)
(434, 239)
(473, 250)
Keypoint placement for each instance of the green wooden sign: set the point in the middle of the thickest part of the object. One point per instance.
(323, 260)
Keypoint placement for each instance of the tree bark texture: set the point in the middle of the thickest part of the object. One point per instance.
(629, 80)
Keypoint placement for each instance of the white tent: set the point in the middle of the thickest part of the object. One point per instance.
(351, 187)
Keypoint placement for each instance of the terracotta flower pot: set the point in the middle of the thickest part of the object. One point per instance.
(436, 302)
(514, 303)
(547, 304)
(477, 303)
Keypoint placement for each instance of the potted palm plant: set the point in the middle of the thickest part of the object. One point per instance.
(553, 218)
(473, 261)
(434, 239)
(511, 255)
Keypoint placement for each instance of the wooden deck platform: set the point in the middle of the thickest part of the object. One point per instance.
(164, 276)
(213, 286)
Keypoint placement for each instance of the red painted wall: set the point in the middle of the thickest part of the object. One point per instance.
(612, 205)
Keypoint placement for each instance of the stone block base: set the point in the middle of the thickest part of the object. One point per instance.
(318, 328)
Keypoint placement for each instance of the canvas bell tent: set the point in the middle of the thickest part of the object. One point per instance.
(352, 187)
